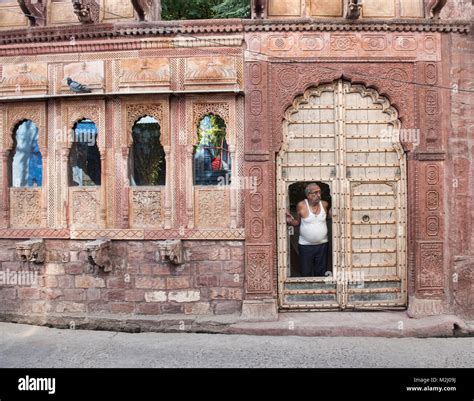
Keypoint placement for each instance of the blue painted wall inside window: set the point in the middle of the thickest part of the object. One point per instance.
(27, 165)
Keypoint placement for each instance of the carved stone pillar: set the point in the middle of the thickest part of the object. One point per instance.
(167, 212)
(260, 290)
(189, 184)
(44, 189)
(103, 190)
(233, 188)
(5, 190)
(124, 207)
(430, 273)
(63, 218)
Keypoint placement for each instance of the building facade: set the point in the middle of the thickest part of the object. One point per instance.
(161, 187)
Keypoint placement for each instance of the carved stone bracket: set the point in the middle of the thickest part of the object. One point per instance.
(35, 11)
(259, 9)
(172, 251)
(353, 9)
(147, 10)
(98, 254)
(434, 7)
(32, 250)
(87, 11)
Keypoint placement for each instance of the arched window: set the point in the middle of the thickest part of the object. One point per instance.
(147, 157)
(26, 160)
(84, 157)
(212, 161)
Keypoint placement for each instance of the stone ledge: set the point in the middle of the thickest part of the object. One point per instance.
(315, 324)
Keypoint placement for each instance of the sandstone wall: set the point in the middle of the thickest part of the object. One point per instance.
(210, 282)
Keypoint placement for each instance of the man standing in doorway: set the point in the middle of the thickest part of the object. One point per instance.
(313, 241)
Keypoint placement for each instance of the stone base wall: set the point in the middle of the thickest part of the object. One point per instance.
(209, 282)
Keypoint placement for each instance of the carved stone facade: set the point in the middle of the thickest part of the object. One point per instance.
(249, 73)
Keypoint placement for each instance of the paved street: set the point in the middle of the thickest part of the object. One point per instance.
(23, 346)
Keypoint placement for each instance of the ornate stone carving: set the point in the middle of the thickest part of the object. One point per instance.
(144, 73)
(35, 11)
(27, 78)
(371, 74)
(201, 110)
(256, 202)
(172, 251)
(432, 102)
(256, 228)
(432, 226)
(136, 111)
(259, 9)
(434, 7)
(432, 174)
(280, 43)
(212, 208)
(146, 208)
(84, 208)
(147, 10)
(430, 276)
(98, 254)
(256, 102)
(87, 11)
(16, 114)
(31, 251)
(404, 43)
(431, 73)
(432, 200)
(255, 73)
(89, 73)
(343, 42)
(207, 71)
(257, 173)
(353, 9)
(25, 207)
(374, 42)
(311, 43)
(259, 278)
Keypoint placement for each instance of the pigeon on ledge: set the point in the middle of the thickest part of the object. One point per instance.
(77, 87)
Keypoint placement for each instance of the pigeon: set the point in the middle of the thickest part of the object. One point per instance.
(77, 87)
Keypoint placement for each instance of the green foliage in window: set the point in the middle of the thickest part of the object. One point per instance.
(211, 134)
(204, 9)
(232, 9)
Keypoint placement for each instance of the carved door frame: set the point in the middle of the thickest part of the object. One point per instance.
(336, 166)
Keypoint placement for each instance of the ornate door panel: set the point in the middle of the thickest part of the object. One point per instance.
(347, 137)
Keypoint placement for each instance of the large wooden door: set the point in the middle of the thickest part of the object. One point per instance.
(347, 137)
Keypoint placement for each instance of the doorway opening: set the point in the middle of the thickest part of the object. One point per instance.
(345, 138)
(296, 194)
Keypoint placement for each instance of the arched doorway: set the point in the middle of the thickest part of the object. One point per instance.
(345, 137)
